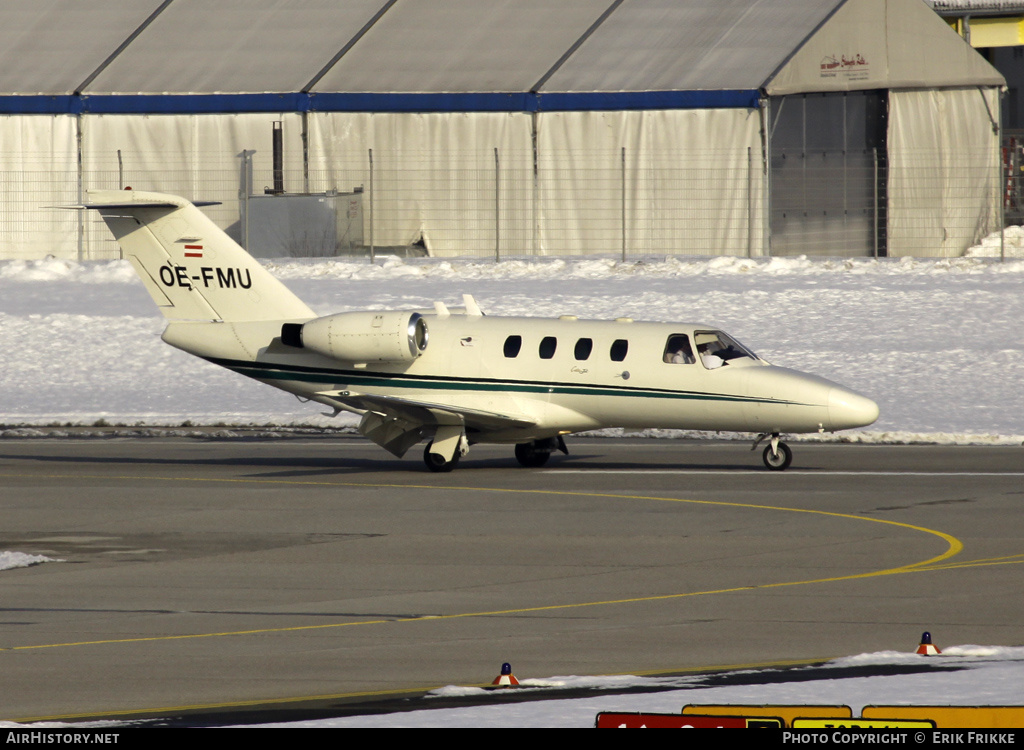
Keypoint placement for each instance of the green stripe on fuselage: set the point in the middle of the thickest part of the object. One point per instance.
(269, 371)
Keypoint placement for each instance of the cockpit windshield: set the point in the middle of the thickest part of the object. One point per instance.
(717, 349)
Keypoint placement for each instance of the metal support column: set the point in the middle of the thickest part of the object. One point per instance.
(497, 207)
(81, 187)
(874, 190)
(622, 190)
(372, 212)
(750, 203)
(245, 190)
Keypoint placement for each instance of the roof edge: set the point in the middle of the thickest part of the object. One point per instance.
(766, 84)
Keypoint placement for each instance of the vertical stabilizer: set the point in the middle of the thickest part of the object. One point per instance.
(190, 267)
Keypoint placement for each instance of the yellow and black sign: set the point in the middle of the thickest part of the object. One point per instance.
(786, 713)
(802, 723)
(960, 717)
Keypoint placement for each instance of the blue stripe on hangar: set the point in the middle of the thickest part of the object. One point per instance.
(179, 104)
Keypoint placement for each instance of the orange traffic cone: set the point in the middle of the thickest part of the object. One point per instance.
(926, 648)
(506, 678)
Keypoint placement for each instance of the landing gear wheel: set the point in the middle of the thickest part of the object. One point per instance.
(780, 460)
(529, 455)
(436, 463)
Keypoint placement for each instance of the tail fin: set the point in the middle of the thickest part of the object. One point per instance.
(190, 267)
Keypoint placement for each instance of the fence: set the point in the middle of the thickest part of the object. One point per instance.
(514, 204)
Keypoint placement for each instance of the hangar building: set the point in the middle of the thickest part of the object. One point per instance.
(509, 127)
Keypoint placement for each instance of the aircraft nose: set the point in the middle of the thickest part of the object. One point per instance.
(847, 409)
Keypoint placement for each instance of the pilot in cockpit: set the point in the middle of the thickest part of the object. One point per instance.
(678, 351)
(710, 356)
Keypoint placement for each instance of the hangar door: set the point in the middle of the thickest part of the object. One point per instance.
(827, 178)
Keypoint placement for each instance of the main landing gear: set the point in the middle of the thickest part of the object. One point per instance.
(537, 452)
(442, 454)
(777, 456)
(444, 451)
(437, 463)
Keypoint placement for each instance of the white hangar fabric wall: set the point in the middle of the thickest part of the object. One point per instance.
(38, 168)
(513, 128)
(945, 168)
(551, 194)
(434, 177)
(667, 181)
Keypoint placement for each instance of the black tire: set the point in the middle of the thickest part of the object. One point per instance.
(529, 456)
(778, 461)
(436, 463)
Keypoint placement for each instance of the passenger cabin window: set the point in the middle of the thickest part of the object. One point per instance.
(547, 347)
(512, 346)
(583, 349)
(678, 350)
(717, 349)
(619, 349)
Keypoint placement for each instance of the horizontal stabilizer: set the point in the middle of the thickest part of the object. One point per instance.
(134, 204)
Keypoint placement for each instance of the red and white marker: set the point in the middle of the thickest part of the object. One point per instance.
(506, 678)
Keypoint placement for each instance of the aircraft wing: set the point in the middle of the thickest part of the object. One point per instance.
(427, 413)
(394, 423)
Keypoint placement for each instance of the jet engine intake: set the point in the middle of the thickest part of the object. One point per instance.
(361, 336)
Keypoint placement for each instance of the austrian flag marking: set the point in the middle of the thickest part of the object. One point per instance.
(193, 251)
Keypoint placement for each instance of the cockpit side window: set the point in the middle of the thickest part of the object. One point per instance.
(678, 350)
(717, 349)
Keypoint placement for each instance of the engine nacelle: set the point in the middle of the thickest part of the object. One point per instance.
(361, 336)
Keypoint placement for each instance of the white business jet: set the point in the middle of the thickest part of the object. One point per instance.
(452, 376)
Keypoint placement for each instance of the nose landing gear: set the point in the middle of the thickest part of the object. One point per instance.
(777, 456)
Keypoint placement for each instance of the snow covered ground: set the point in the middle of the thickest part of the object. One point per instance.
(962, 675)
(10, 560)
(939, 344)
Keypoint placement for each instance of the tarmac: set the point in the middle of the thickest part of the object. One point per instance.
(248, 577)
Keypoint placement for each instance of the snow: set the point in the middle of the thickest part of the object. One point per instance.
(937, 343)
(964, 675)
(1010, 245)
(10, 560)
